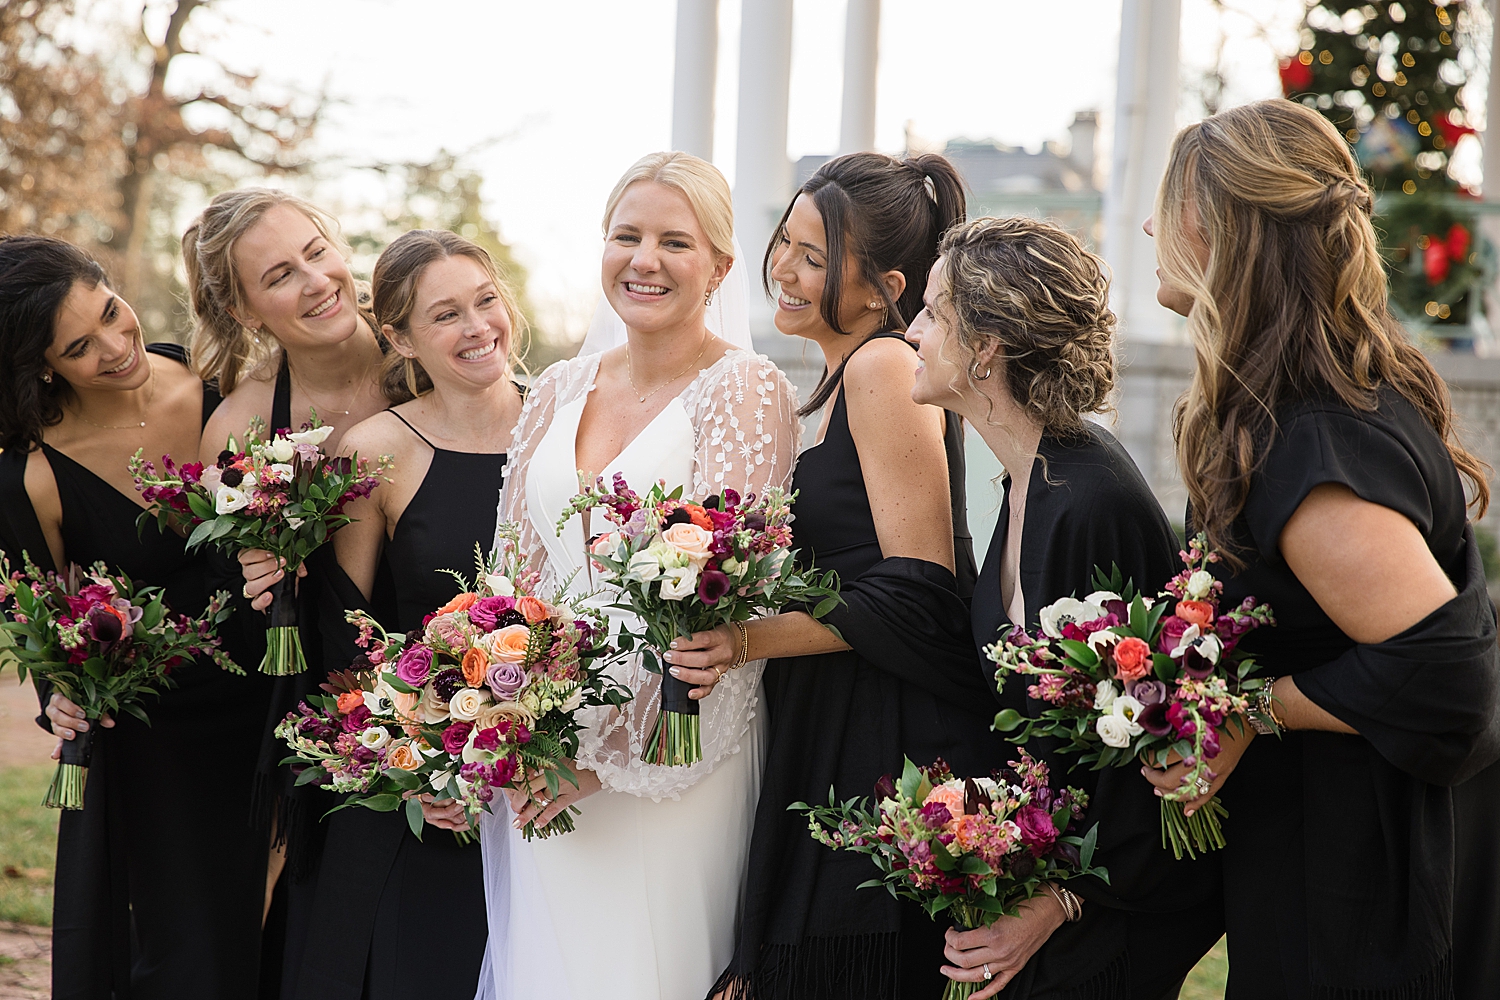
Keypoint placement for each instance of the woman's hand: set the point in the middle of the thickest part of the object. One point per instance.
(704, 658)
(68, 720)
(446, 815)
(1003, 948)
(539, 807)
(1232, 747)
(262, 571)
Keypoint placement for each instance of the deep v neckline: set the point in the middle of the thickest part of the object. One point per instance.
(125, 497)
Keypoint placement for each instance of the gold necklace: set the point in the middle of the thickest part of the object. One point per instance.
(329, 409)
(150, 395)
(630, 371)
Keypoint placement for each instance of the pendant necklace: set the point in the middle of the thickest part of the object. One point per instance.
(630, 371)
(150, 395)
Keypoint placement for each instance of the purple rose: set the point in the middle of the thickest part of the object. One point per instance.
(356, 719)
(1147, 692)
(455, 736)
(414, 665)
(486, 611)
(1037, 831)
(506, 680)
(712, 585)
(1172, 628)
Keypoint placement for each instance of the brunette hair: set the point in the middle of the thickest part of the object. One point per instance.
(37, 273)
(223, 350)
(1031, 286)
(1291, 304)
(883, 214)
(397, 272)
(699, 182)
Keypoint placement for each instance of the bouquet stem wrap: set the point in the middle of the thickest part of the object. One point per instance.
(283, 640)
(72, 774)
(676, 738)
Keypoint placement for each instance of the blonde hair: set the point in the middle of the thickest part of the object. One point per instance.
(1032, 287)
(223, 349)
(397, 273)
(1291, 304)
(700, 183)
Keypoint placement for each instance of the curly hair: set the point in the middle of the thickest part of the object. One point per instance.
(37, 273)
(1032, 287)
(1291, 303)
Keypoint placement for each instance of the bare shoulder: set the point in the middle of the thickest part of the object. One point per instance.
(41, 485)
(880, 374)
(381, 434)
(251, 398)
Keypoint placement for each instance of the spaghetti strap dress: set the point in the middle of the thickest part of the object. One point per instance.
(392, 916)
(161, 876)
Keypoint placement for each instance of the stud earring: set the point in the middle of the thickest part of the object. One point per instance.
(874, 304)
(47, 377)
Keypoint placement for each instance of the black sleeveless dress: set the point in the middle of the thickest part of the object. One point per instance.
(911, 687)
(391, 916)
(161, 876)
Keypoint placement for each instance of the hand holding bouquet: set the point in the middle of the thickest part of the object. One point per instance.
(103, 643)
(284, 495)
(1125, 677)
(684, 567)
(974, 847)
(484, 696)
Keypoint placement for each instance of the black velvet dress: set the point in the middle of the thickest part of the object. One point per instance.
(390, 916)
(910, 687)
(1365, 866)
(1087, 505)
(161, 876)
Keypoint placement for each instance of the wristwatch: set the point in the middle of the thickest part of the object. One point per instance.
(1263, 713)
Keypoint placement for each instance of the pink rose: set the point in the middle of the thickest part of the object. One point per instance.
(455, 736)
(1037, 831)
(486, 612)
(414, 665)
(692, 541)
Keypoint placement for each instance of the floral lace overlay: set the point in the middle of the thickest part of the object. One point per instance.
(745, 435)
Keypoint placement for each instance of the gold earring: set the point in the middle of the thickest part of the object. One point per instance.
(47, 377)
(974, 373)
(709, 296)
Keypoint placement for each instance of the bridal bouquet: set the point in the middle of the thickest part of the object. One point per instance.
(974, 847)
(684, 567)
(1126, 676)
(284, 495)
(103, 643)
(484, 696)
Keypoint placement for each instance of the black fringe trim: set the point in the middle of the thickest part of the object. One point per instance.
(1110, 983)
(289, 820)
(1434, 984)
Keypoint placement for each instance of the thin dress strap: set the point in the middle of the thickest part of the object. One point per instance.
(281, 401)
(418, 433)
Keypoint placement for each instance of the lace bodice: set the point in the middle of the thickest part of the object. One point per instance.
(734, 426)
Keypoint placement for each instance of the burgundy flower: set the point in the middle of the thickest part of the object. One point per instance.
(935, 815)
(455, 736)
(486, 612)
(1210, 743)
(503, 771)
(356, 719)
(1196, 665)
(487, 739)
(712, 585)
(1172, 628)
(885, 788)
(1153, 719)
(105, 624)
(1037, 831)
(447, 683)
(1182, 724)
(1021, 866)
(414, 665)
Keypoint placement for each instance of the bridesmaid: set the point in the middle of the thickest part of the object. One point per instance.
(1017, 337)
(450, 320)
(149, 895)
(1320, 456)
(881, 500)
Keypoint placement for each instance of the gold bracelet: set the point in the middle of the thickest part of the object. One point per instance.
(744, 654)
(1072, 907)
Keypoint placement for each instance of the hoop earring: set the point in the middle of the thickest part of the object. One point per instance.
(973, 374)
(47, 377)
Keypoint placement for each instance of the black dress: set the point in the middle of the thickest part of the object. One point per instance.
(1354, 866)
(911, 687)
(391, 916)
(161, 876)
(1087, 505)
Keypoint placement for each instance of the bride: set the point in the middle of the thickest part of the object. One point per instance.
(640, 901)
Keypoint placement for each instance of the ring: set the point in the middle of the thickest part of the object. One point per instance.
(988, 975)
(718, 674)
(245, 592)
(1204, 786)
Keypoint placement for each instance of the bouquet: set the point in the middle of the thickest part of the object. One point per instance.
(684, 567)
(974, 847)
(1124, 678)
(484, 696)
(102, 642)
(284, 495)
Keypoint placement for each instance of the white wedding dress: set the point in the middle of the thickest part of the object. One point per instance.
(639, 903)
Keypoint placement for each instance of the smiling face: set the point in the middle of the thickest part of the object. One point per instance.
(941, 379)
(799, 266)
(97, 342)
(293, 281)
(459, 328)
(1179, 300)
(658, 264)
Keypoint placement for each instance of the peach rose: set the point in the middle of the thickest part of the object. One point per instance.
(1132, 659)
(690, 540)
(1200, 613)
(532, 610)
(474, 666)
(953, 798)
(402, 756)
(509, 644)
(350, 700)
(460, 603)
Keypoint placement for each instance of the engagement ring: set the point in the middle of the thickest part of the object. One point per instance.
(988, 975)
(1203, 786)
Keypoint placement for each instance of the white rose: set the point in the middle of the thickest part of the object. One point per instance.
(466, 703)
(1113, 730)
(315, 436)
(679, 583)
(281, 450)
(1105, 695)
(499, 585)
(1054, 616)
(431, 708)
(1100, 596)
(1127, 710)
(1199, 584)
(374, 738)
(643, 567)
(573, 701)
(228, 500)
(439, 781)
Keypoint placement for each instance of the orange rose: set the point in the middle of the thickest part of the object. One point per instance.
(510, 644)
(403, 757)
(1200, 613)
(700, 516)
(474, 665)
(967, 830)
(1132, 658)
(460, 603)
(350, 700)
(532, 610)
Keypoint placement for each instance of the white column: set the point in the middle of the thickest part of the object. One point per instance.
(697, 65)
(861, 58)
(1490, 224)
(1145, 121)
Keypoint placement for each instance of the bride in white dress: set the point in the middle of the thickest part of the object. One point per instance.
(639, 902)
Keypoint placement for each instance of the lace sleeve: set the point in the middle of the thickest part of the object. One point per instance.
(746, 433)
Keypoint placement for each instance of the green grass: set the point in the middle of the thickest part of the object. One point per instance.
(1206, 981)
(28, 844)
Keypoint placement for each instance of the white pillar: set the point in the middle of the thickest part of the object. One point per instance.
(1145, 121)
(1490, 224)
(694, 75)
(861, 58)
